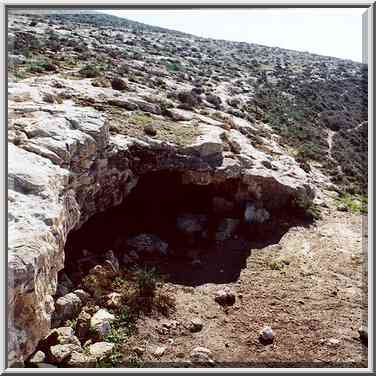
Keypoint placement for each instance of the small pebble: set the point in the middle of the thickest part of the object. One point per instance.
(159, 351)
(266, 335)
(195, 325)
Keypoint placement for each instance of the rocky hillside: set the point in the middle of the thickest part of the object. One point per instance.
(301, 96)
(98, 103)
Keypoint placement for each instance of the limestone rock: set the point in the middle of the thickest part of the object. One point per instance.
(150, 130)
(100, 323)
(65, 166)
(201, 355)
(123, 103)
(254, 215)
(114, 300)
(83, 295)
(38, 357)
(112, 261)
(195, 325)
(80, 360)
(147, 107)
(83, 325)
(363, 334)
(68, 306)
(45, 365)
(60, 353)
(180, 115)
(147, 243)
(101, 349)
(225, 296)
(266, 335)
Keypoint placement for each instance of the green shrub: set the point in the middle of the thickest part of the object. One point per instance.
(355, 203)
(90, 71)
(40, 66)
(146, 280)
(309, 150)
(173, 67)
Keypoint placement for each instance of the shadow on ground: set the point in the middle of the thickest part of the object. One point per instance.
(153, 207)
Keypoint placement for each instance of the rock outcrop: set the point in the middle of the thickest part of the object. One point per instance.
(67, 167)
(79, 140)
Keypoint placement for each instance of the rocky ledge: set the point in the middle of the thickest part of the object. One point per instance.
(68, 161)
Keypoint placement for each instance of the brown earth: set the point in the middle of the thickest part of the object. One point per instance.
(310, 287)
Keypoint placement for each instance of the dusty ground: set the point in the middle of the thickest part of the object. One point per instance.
(310, 287)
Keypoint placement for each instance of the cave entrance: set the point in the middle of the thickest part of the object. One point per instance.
(164, 208)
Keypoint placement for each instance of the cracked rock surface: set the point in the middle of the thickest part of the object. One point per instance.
(78, 145)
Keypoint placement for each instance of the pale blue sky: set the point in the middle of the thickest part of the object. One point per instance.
(332, 32)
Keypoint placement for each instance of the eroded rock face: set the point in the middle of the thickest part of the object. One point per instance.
(64, 167)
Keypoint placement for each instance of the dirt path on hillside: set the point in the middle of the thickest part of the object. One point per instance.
(330, 142)
(310, 288)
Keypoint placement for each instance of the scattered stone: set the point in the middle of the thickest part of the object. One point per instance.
(254, 215)
(266, 335)
(150, 130)
(100, 322)
(195, 325)
(342, 207)
(180, 115)
(138, 350)
(67, 306)
(101, 349)
(225, 296)
(147, 107)
(49, 98)
(114, 300)
(112, 262)
(83, 325)
(147, 243)
(45, 365)
(196, 263)
(333, 342)
(160, 350)
(214, 100)
(83, 295)
(118, 84)
(38, 357)
(64, 331)
(79, 360)
(363, 334)
(59, 353)
(123, 103)
(201, 355)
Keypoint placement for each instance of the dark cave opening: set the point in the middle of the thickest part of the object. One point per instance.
(153, 207)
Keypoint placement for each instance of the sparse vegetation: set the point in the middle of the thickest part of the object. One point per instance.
(355, 203)
(90, 71)
(252, 232)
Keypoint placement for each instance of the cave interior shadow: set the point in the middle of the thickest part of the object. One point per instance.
(153, 206)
